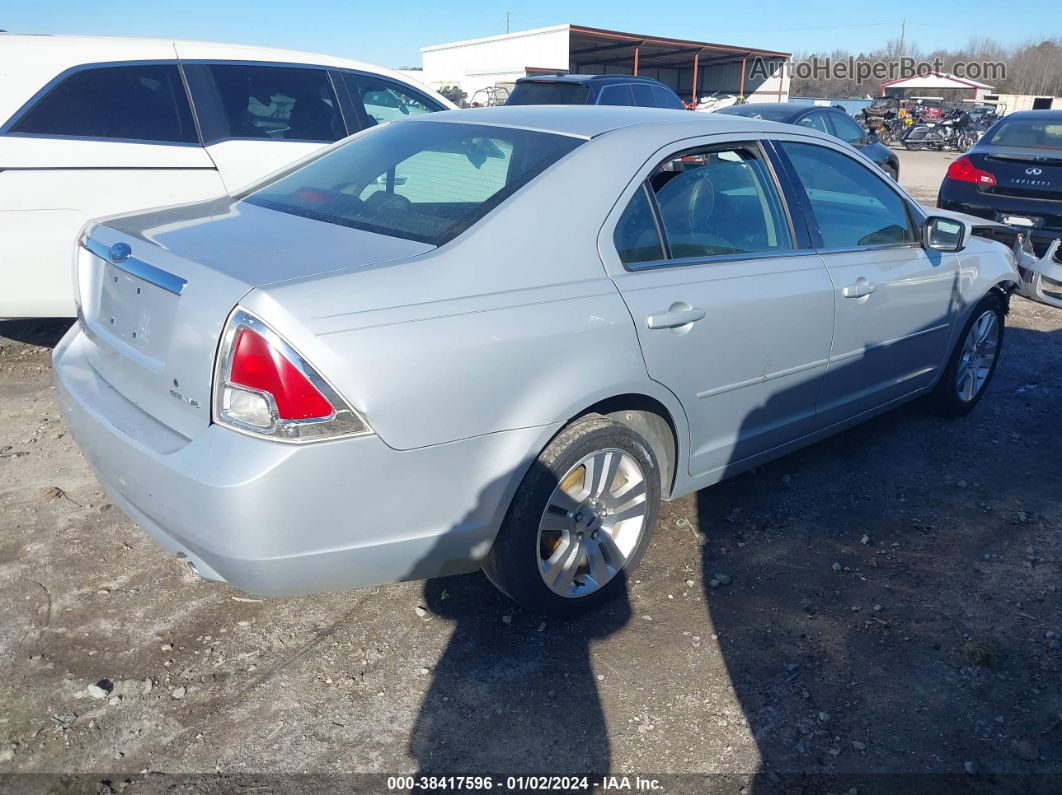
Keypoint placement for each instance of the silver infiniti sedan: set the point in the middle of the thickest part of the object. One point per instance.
(499, 338)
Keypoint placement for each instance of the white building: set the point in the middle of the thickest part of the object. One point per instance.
(478, 64)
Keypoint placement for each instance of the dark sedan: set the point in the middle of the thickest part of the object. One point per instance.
(828, 120)
(1013, 175)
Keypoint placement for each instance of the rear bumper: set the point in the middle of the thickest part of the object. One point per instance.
(279, 519)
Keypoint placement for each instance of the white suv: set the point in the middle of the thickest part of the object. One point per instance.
(97, 126)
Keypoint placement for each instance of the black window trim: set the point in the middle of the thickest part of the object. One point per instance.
(45, 90)
(214, 100)
(756, 145)
(915, 216)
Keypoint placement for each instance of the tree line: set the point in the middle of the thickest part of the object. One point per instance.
(1031, 68)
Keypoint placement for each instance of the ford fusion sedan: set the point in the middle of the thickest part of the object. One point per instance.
(827, 120)
(459, 341)
(1014, 175)
(95, 126)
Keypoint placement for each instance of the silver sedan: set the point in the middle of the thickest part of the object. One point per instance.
(499, 338)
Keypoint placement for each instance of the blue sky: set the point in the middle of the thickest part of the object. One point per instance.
(391, 33)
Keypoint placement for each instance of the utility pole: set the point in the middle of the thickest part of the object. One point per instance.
(903, 30)
(508, 16)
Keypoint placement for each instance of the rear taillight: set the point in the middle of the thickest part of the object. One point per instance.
(262, 386)
(962, 169)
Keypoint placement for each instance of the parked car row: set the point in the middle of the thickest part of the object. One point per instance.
(95, 126)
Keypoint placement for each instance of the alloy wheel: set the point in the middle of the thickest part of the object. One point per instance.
(979, 351)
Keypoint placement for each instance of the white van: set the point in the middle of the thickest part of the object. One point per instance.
(96, 126)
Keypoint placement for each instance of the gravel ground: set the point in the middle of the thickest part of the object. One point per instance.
(886, 601)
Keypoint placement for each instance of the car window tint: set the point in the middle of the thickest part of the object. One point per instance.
(636, 237)
(816, 121)
(846, 129)
(426, 181)
(719, 201)
(852, 205)
(615, 95)
(1026, 132)
(643, 95)
(666, 99)
(145, 102)
(278, 102)
(385, 100)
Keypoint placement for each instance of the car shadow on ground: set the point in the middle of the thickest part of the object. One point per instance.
(42, 332)
(888, 596)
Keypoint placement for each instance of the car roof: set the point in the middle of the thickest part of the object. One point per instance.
(583, 79)
(1043, 115)
(774, 109)
(588, 121)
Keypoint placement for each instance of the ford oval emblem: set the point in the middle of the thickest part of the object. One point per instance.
(120, 251)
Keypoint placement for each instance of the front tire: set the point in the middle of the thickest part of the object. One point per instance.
(973, 362)
(580, 521)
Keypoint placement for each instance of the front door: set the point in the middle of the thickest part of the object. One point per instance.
(893, 299)
(732, 315)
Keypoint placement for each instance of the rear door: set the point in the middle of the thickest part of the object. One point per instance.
(100, 139)
(733, 310)
(893, 299)
(257, 118)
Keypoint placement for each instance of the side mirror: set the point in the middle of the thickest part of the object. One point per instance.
(945, 234)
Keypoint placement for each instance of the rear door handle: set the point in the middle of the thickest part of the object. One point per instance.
(859, 289)
(679, 314)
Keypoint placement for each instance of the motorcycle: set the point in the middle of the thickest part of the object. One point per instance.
(954, 131)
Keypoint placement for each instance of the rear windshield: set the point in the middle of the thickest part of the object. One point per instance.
(1027, 132)
(548, 93)
(424, 181)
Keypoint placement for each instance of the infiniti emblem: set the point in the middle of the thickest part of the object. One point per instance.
(120, 251)
(1034, 172)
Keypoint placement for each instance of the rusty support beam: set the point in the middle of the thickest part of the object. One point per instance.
(695, 92)
(635, 61)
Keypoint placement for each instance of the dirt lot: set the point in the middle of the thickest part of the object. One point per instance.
(892, 605)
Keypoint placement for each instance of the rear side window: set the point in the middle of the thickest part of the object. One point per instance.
(385, 100)
(143, 102)
(718, 202)
(615, 95)
(846, 129)
(643, 95)
(277, 102)
(852, 206)
(425, 181)
(816, 121)
(637, 237)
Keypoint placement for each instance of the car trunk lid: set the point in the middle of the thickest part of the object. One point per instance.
(155, 290)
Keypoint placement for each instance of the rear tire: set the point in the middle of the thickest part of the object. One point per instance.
(973, 362)
(572, 535)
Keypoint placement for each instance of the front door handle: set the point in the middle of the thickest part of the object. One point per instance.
(678, 314)
(860, 288)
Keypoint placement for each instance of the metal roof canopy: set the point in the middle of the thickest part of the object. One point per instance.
(599, 47)
(934, 80)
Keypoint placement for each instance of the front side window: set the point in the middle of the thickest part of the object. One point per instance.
(643, 95)
(719, 201)
(852, 206)
(143, 102)
(281, 103)
(425, 181)
(385, 100)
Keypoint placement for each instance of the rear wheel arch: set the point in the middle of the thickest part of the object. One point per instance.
(651, 419)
